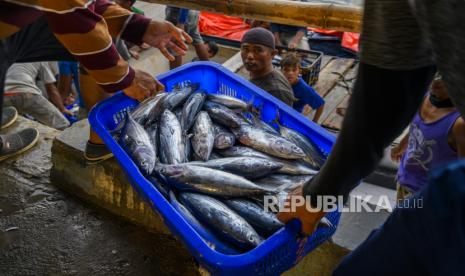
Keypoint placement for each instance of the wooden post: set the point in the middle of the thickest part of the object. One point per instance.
(318, 15)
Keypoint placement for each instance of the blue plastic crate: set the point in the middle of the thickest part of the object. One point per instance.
(278, 253)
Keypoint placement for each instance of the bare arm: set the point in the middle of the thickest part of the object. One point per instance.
(398, 151)
(64, 86)
(318, 113)
(458, 133)
(55, 98)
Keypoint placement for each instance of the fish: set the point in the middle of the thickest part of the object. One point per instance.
(178, 113)
(209, 181)
(312, 155)
(215, 155)
(221, 219)
(223, 115)
(257, 122)
(282, 182)
(203, 136)
(162, 187)
(288, 166)
(187, 147)
(223, 138)
(228, 101)
(172, 144)
(208, 236)
(248, 167)
(136, 142)
(267, 142)
(265, 223)
(141, 113)
(191, 109)
(178, 96)
(152, 131)
(156, 110)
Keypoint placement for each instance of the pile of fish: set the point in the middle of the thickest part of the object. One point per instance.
(214, 159)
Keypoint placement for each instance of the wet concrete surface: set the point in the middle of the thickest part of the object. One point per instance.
(44, 231)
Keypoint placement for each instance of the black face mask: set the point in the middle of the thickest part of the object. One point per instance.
(440, 103)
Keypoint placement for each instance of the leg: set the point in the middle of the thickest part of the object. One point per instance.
(192, 29)
(176, 63)
(91, 94)
(43, 111)
(382, 105)
(96, 150)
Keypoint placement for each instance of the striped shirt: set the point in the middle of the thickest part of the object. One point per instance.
(85, 28)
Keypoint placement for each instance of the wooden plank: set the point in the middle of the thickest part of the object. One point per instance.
(333, 120)
(332, 101)
(330, 75)
(325, 60)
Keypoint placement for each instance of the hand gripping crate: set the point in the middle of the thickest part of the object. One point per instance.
(279, 252)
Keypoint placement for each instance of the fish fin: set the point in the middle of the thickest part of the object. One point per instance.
(277, 119)
(324, 222)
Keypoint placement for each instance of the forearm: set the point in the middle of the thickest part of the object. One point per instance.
(54, 97)
(370, 125)
(318, 113)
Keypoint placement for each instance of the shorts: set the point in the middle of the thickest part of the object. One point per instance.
(192, 24)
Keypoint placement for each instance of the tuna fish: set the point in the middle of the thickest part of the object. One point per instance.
(136, 142)
(248, 167)
(191, 109)
(288, 167)
(172, 144)
(228, 101)
(312, 156)
(221, 219)
(156, 110)
(203, 138)
(282, 182)
(178, 96)
(152, 131)
(268, 142)
(141, 113)
(208, 236)
(209, 181)
(223, 115)
(265, 223)
(223, 138)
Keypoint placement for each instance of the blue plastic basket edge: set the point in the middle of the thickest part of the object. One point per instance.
(177, 223)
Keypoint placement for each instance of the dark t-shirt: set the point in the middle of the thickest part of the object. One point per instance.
(305, 94)
(277, 85)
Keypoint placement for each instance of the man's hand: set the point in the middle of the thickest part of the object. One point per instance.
(308, 219)
(143, 86)
(67, 112)
(164, 35)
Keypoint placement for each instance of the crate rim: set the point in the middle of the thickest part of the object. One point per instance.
(176, 224)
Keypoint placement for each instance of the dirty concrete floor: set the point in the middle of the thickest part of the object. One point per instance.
(44, 231)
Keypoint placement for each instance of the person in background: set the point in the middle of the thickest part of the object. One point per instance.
(44, 32)
(257, 52)
(212, 49)
(436, 136)
(23, 93)
(307, 98)
(187, 20)
(68, 83)
(290, 36)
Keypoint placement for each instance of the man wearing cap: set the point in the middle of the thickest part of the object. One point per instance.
(257, 51)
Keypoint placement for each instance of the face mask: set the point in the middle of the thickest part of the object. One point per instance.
(440, 103)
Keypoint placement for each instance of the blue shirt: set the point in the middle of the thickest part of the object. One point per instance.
(305, 94)
(71, 68)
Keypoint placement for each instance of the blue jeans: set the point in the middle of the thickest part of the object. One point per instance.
(419, 241)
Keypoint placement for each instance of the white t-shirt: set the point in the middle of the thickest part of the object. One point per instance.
(22, 77)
